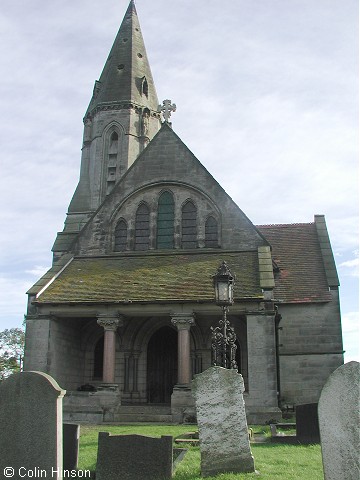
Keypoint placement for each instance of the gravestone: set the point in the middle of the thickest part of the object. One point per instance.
(134, 457)
(71, 435)
(223, 431)
(339, 423)
(307, 423)
(31, 426)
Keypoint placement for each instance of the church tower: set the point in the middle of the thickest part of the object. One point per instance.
(120, 121)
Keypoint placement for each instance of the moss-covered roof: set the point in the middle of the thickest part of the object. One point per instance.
(151, 277)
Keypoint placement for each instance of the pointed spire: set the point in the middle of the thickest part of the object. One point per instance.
(126, 76)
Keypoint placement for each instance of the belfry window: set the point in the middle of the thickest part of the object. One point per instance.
(211, 233)
(120, 236)
(165, 221)
(112, 162)
(188, 226)
(142, 228)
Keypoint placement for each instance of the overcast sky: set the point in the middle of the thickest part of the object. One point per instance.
(267, 99)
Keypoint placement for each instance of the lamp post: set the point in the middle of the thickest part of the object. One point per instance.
(223, 336)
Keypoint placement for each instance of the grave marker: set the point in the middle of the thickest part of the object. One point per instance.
(223, 431)
(339, 423)
(31, 426)
(134, 457)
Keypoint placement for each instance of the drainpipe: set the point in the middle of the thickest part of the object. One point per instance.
(277, 319)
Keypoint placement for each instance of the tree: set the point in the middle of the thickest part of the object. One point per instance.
(11, 351)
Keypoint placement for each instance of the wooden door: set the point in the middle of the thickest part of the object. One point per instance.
(162, 365)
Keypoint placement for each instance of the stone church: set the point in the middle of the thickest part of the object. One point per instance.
(123, 318)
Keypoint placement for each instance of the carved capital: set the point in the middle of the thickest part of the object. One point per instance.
(109, 322)
(183, 321)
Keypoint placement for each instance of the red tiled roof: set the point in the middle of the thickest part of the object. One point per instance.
(296, 251)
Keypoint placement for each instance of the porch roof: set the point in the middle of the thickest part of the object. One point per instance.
(151, 277)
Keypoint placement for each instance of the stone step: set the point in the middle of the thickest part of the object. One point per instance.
(141, 418)
(145, 409)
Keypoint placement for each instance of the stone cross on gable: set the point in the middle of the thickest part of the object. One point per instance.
(166, 108)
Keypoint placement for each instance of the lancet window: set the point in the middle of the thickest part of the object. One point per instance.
(142, 228)
(189, 226)
(120, 236)
(165, 221)
(112, 162)
(211, 233)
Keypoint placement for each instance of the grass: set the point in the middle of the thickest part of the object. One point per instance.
(272, 461)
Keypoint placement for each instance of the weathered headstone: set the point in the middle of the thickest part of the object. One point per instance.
(223, 431)
(134, 457)
(31, 426)
(339, 423)
(71, 436)
(307, 423)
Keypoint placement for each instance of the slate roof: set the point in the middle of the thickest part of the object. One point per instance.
(151, 277)
(296, 252)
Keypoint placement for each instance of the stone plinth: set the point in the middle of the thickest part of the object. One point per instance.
(223, 431)
(31, 426)
(339, 423)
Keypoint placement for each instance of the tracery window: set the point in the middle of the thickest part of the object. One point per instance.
(142, 228)
(189, 226)
(120, 236)
(211, 233)
(165, 221)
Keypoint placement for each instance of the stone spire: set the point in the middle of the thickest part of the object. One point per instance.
(121, 119)
(126, 76)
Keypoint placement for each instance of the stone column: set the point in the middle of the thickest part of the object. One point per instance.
(110, 323)
(182, 402)
(183, 324)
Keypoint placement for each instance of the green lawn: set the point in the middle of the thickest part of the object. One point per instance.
(272, 461)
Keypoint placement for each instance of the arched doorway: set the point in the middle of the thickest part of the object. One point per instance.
(98, 359)
(161, 365)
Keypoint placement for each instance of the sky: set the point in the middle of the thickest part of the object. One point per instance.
(267, 100)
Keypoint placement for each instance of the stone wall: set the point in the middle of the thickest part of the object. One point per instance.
(310, 349)
(55, 347)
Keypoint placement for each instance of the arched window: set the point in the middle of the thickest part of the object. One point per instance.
(165, 221)
(98, 359)
(120, 236)
(144, 87)
(112, 162)
(188, 226)
(142, 228)
(211, 233)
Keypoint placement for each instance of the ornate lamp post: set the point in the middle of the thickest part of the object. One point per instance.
(223, 336)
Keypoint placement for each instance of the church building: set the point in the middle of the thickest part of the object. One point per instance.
(123, 318)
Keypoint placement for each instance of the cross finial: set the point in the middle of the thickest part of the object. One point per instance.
(166, 108)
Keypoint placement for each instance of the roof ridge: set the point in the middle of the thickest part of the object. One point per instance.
(284, 224)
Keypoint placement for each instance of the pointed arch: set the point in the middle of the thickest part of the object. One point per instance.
(211, 233)
(144, 87)
(189, 225)
(113, 151)
(165, 221)
(120, 236)
(142, 227)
